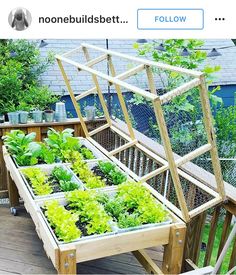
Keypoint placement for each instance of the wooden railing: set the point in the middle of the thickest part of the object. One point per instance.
(200, 245)
(40, 129)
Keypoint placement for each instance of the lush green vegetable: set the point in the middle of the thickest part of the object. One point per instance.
(62, 221)
(61, 141)
(38, 180)
(61, 174)
(90, 211)
(86, 153)
(25, 150)
(22, 147)
(112, 172)
(64, 178)
(81, 168)
(133, 205)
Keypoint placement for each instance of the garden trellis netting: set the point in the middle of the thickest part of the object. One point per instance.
(184, 194)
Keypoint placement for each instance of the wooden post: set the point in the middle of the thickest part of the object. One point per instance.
(170, 157)
(173, 251)
(77, 108)
(207, 118)
(67, 262)
(146, 261)
(99, 91)
(121, 99)
(12, 191)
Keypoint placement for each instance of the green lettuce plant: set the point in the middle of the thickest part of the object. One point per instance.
(62, 221)
(90, 211)
(38, 181)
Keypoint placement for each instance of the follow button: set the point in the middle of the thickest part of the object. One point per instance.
(170, 19)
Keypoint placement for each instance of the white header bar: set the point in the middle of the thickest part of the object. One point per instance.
(118, 19)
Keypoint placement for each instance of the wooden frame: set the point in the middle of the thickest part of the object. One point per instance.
(118, 81)
(65, 256)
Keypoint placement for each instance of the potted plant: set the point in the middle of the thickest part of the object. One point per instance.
(49, 115)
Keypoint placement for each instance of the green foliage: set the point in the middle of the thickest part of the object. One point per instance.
(133, 205)
(225, 121)
(127, 220)
(112, 172)
(62, 221)
(25, 151)
(89, 211)
(20, 86)
(183, 114)
(22, 147)
(86, 153)
(82, 170)
(64, 178)
(61, 174)
(38, 180)
(61, 141)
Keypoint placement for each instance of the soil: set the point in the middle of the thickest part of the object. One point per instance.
(97, 171)
(81, 226)
(55, 185)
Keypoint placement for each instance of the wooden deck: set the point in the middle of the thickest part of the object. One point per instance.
(21, 251)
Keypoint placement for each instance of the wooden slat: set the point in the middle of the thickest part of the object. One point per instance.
(232, 261)
(212, 234)
(121, 100)
(99, 129)
(168, 150)
(146, 261)
(99, 91)
(146, 61)
(207, 118)
(225, 233)
(71, 92)
(180, 90)
(111, 79)
(123, 147)
(86, 93)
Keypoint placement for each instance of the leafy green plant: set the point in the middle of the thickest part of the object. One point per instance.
(87, 154)
(106, 166)
(38, 180)
(133, 205)
(25, 151)
(22, 147)
(20, 83)
(90, 211)
(127, 220)
(81, 169)
(61, 141)
(64, 178)
(225, 121)
(61, 174)
(112, 172)
(62, 221)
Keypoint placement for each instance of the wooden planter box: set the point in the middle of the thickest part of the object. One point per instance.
(47, 168)
(64, 256)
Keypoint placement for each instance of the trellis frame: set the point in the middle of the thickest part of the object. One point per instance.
(118, 81)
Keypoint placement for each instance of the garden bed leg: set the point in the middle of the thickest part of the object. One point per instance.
(173, 253)
(12, 191)
(67, 262)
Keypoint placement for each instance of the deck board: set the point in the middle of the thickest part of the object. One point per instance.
(21, 251)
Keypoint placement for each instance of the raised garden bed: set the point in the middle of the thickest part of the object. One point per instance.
(89, 214)
(98, 174)
(49, 180)
(56, 148)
